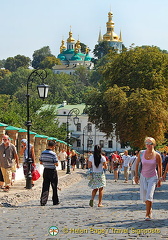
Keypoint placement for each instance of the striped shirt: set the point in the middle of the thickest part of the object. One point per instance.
(48, 159)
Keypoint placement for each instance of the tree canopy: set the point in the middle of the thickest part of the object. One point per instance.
(132, 96)
(13, 63)
(40, 55)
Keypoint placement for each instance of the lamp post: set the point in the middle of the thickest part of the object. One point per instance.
(42, 91)
(84, 129)
(73, 111)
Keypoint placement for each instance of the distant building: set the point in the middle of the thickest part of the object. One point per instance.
(71, 57)
(85, 135)
(110, 36)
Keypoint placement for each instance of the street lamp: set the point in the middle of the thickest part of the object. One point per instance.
(42, 91)
(84, 129)
(73, 111)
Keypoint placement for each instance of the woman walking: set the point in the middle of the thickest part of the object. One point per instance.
(97, 162)
(73, 157)
(149, 176)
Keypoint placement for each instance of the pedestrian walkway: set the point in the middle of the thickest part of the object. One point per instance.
(122, 216)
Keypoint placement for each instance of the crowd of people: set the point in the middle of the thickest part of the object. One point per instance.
(147, 167)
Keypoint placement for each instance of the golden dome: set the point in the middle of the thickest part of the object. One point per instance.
(62, 48)
(70, 39)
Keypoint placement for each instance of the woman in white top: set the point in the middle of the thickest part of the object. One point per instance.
(97, 162)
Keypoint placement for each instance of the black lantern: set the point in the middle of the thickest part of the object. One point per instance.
(42, 91)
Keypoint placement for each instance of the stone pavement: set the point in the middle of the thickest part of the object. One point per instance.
(122, 216)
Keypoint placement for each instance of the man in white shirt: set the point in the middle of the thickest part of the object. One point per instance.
(133, 164)
(126, 161)
(62, 156)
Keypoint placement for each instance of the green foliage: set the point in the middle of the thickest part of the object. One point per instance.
(49, 62)
(13, 63)
(4, 72)
(101, 49)
(45, 122)
(132, 95)
(10, 111)
(40, 55)
(2, 63)
(12, 82)
(140, 67)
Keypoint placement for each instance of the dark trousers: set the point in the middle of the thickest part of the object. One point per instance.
(49, 177)
(62, 165)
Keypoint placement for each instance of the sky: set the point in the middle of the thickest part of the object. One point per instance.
(28, 25)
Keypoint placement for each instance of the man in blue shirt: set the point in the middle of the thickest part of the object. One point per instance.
(49, 160)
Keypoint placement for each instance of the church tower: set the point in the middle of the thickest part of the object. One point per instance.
(110, 36)
(71, 56)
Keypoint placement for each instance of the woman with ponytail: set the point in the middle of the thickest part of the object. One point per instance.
(97, 163)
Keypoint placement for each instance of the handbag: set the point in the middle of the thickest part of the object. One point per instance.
(140, 164)
(89, 174)
(35, 175)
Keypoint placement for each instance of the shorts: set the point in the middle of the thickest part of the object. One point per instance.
(147, 188)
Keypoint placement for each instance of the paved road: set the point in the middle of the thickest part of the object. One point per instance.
(122, 216)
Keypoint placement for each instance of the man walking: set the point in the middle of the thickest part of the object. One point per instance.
(126, 161)
(8, 154)
(62, 157)
(49, 160)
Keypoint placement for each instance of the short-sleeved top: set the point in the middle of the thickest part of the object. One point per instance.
(100, 167)
(7, 155)
(133, 162)
(48, 159)
(62, 156)
(126, 159)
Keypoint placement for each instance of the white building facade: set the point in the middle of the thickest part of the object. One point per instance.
(84, 135)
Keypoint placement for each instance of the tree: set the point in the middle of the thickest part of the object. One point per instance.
(10, 111)
(40, 55)
(13, 63)
(2, 63)
(45, 122)
(101, 49)
(49, 62)
(12, 82)
(4, 72)
(82, 73)
(139, 67)
(132, 97)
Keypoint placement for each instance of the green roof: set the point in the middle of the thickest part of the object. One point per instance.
(12, 128)
(55, 108)
(62, 57)
(76, 57)
(52, 138)
(88, 58)
(22, 130)
(68, 51)
(3, 125)
(40, 136)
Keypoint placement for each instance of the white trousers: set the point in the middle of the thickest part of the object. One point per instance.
(147, 187)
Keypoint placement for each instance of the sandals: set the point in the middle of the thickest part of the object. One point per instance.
(148, 219)
(91, 203)
(6, 189)
(100, 205)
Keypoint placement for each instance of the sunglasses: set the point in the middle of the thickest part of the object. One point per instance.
(149, 143)
(4, 139)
